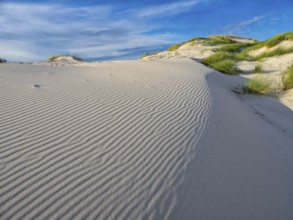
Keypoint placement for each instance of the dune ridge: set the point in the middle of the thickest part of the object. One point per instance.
(99, 143)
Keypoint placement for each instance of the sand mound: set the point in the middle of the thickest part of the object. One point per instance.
(137, 140)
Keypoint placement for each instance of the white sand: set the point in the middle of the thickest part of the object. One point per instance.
(139, 140)
(197, 50)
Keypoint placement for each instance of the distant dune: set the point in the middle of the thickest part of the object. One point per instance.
(149, 139)
(239, 55)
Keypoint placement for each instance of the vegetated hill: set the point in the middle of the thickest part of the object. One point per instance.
(200, 48)
(272, 59)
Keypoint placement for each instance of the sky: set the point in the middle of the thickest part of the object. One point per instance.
(33, 30)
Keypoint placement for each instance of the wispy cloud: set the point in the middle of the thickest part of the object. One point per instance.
(169, 8)
(36, 31)
(243, 27)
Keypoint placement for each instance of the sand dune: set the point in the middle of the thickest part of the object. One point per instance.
(136, 140)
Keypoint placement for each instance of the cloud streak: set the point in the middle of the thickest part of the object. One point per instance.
(36, 31)
(167, 9)
(241, 27)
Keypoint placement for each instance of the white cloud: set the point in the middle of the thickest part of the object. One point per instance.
(36, 31)
(243, 27)
(170, 8)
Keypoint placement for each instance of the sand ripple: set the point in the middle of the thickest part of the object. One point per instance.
(111, 141)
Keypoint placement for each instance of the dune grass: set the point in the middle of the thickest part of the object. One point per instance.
(277, 52)
(52, 58)
(149, 54)
(258, 69)
(275, 40)
(227, 67)
(144, 55)
(224, 62)
(2, 60)
(219, 39)
(258, 85)
(287, 78)
(174, 47)
(234, 48)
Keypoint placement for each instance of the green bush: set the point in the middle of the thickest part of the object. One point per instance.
(275, 40)
(234, 48)
(218, 39)
(174, 47)
(144, 55)
(224, 62)
(217, 57)
(257, 85)
(258, 69)
(226, 66)
(287, 78)
(277, 52)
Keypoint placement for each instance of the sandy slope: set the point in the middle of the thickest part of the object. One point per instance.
(137, 140)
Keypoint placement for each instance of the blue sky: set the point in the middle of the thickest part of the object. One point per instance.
(124, 29)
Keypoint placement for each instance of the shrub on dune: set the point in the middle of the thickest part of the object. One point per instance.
(287, 78)
(223, 62)
(174, 47)
(258, 85)
(226, 66)
(277, 52)
(258, 69)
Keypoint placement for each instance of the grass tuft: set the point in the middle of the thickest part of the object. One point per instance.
(275, 40)
(287, 78)
(224, 62)
(174, 47)
(226, 66)
(258, 69)
(258, 85)
(234, 48)
(277, 52)
(144, 55)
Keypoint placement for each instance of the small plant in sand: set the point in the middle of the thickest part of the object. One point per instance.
(258, 85)
(234, 48)
(223, 62)
(144, 55)
(258, 69)
(2, 60)
(287, 78)
(226, 66)
(174, 47)
(276, 52)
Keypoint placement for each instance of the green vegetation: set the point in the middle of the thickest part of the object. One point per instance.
(52, 58)
(224, 62)
(275, 40)
(287, 78)
(234, 48)
(149, 54)
(174, 47)
(258, 85)
(227, 67)
(217, 40)
(232, 51)
(258, 69)
(144, 55)
(277, 52)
